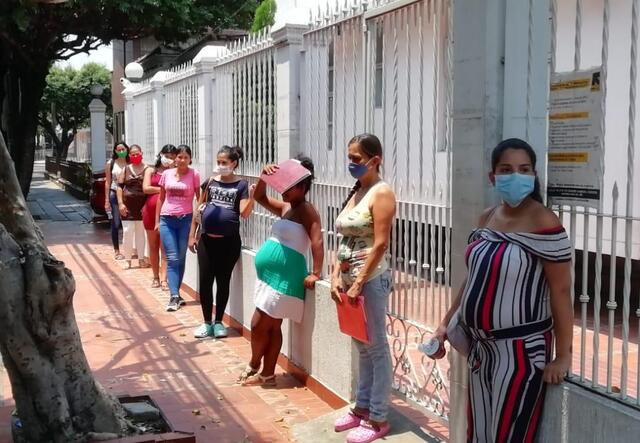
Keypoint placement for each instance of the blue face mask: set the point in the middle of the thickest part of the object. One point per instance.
(357, 170)
(514, 188)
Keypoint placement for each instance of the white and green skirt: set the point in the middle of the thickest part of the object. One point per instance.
(281, 268)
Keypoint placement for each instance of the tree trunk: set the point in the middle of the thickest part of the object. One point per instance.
(56, 396)
(24, 89)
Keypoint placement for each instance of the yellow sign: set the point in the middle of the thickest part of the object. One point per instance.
(571, 84)
(569, 157)
(569, 115)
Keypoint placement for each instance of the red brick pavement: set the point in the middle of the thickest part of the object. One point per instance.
(134, 347)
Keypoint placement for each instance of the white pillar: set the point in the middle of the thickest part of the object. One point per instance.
(157, 85)
(490, 102)
(288, 43)
(478, 27)
(97, 109)
(128, 117)
(204, 63)
(526, 80)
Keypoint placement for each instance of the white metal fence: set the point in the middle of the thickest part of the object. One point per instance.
(387, 71)
(386, 67)
(607, 240)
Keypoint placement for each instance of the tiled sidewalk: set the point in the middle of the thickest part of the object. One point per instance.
(135, 347)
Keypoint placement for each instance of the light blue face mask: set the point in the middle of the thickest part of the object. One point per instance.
(514, 188)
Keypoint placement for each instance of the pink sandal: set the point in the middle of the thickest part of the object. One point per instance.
(366, 433)
(349, 421)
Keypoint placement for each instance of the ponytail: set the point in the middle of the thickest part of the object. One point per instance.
(353, 191)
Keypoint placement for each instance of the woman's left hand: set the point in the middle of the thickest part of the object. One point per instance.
(310, 281)
(354, 292)
(555, 371)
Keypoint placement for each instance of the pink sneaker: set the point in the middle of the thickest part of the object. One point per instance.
(348, 421)
(366, 433)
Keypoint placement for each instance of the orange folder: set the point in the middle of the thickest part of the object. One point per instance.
(352, 318)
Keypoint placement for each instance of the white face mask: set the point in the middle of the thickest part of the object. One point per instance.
(224, 170)
(166, 161)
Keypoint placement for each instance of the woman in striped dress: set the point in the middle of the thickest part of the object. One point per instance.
(281, 268)
(515, 298)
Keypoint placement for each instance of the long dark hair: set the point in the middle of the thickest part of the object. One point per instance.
(308, 164)
(166, 149)
(370, 145)
(235, 153)
(516, 143)
(114, 155)
(185, 149)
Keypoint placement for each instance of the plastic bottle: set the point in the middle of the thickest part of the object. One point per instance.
(433, 348)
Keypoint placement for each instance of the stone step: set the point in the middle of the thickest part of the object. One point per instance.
(320, 430)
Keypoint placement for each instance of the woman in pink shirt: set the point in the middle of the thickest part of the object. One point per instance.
(178, 189)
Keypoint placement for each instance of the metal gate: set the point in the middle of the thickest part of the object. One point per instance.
(386, 69)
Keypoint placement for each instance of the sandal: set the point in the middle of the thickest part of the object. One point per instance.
(259, 380)
(119, 256)
(155, 283)
(246, 373)
(368, 432)
(143, 263)
(349, 421)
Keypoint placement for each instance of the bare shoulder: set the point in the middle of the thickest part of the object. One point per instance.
(384, 193)
(485, 216)
(310, 210)
(544, 217)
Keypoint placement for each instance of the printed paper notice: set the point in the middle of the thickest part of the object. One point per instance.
(575, 129)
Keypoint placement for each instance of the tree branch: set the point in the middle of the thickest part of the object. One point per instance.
(66, 51)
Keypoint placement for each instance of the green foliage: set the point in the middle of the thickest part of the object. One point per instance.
(93, 21)
(265, 15)
(66, 99)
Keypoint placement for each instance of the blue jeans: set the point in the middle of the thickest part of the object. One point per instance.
(376, 373)
(116, 222)
(174, 234)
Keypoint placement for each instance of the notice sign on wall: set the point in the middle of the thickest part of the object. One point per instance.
(574, 174)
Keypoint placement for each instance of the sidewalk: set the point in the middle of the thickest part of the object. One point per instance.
(135, 347)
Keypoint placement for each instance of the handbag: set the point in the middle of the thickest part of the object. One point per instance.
(202, 207)
(457, 335)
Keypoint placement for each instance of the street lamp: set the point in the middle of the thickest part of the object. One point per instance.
(96, 90)
(133, 71)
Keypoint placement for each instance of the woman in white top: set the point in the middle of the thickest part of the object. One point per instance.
(112, 171)
(362, 270)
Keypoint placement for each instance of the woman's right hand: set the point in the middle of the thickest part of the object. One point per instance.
(157, 227)
(270, 169)
(107, 205)
(123, 210)
(193, 244)
(336, 289)
(441, 333)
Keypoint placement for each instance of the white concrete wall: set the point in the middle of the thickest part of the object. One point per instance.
(575, 414)
(315, 345)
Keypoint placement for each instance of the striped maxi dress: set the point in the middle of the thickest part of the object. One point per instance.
(281, 268)
(506, 310)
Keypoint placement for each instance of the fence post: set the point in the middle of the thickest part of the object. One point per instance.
(128, 116)
(157, 85)
(204, 63)
(288, 43)
(97, 110)
(479, 32)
